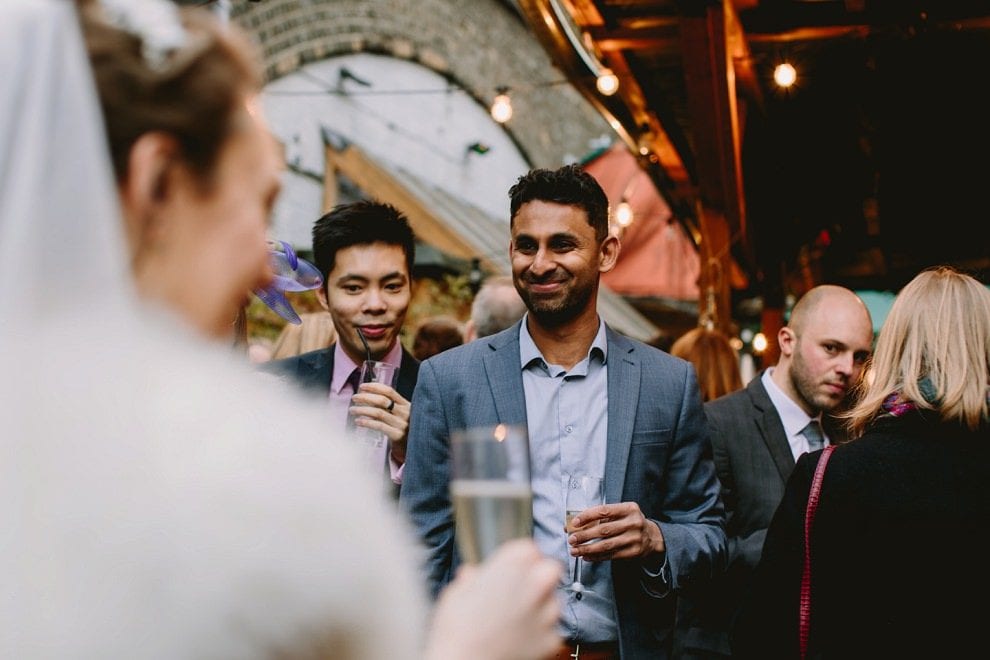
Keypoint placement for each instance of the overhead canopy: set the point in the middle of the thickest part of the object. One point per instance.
(453, 225)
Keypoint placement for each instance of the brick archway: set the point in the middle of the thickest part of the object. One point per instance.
(477, 45)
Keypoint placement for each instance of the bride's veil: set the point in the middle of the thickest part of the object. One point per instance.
(61, 246)
(157, 498)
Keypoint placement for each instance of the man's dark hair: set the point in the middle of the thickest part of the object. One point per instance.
(567, 185)
(360, 223)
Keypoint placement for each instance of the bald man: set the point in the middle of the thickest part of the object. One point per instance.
(757, 434)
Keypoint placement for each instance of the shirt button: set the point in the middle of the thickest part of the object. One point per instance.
(568, 428)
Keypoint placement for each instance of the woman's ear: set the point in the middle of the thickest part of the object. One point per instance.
(145, 188)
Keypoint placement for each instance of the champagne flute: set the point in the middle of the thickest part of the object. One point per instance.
(582, 492)
(490, 488)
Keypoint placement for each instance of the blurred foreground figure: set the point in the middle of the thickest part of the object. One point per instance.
(897, 550)
(160, 499)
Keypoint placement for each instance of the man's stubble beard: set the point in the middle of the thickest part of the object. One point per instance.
(807, 388)
(553, 314)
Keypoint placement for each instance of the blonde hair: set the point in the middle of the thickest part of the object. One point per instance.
(939, 330)
(714, 360)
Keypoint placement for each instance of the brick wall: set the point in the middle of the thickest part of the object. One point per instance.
(476, 44)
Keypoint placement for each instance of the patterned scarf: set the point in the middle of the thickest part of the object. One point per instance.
(896, 404)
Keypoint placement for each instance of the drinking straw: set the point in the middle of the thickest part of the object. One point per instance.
(367, 353)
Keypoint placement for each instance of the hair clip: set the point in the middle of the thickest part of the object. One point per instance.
(156, 22)
(291, 274)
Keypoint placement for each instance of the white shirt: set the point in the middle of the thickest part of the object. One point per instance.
(792, 416)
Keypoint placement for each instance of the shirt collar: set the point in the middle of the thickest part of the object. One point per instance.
(792, 416)
(528, 351)
(344, 366)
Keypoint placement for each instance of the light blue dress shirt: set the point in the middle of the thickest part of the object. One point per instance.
(567, 414)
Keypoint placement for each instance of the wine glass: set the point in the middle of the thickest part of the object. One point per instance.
(490, 488)
(582, 492)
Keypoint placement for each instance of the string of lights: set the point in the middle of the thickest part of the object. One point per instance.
(501, 108)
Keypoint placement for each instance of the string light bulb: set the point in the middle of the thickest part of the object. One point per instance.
(502, 106)
(784, 74)
(607, 82)
(760, 343)
(624, 214)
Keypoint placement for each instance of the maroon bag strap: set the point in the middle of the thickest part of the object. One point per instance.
(809, 517)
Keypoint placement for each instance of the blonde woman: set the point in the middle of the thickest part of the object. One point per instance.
(897, 546)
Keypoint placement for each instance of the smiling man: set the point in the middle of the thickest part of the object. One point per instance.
(757, 435)
(594, 403)
(365, 252)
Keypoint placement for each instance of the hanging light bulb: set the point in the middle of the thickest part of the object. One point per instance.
(760, 343)
(607, 82)
(502, 106)
(624, 214)
(784, 74)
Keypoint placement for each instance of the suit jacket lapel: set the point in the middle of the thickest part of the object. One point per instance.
(408, 372)
(623, 400)
(771, 429)
(505, 376)
(318, 369)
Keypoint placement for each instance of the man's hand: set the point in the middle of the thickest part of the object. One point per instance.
(618, 531)
(377, 406)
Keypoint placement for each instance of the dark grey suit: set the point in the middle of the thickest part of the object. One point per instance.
(312, 371)
(657, 455)
(754, 460)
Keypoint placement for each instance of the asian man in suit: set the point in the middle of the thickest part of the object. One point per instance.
(365, 252)
(593, 402)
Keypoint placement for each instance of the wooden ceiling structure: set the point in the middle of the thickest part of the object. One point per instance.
(874, 165)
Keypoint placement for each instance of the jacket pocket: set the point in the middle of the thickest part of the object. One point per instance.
(656, 437)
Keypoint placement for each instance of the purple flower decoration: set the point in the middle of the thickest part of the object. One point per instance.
(291, 274)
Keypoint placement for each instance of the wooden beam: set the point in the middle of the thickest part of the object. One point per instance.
(664, 41)
(711, 91)
(380, 184)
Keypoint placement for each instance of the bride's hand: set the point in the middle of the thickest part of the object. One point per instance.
(505, 608)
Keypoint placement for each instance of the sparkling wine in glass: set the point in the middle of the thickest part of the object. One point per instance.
(490, 488)
(582, 492)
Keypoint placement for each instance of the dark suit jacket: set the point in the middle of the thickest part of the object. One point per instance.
(657, 455)
(312, 372)
(898, 551)
(754, 460)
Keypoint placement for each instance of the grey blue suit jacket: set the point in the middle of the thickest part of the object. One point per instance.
(754, 461)
(657, 455)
